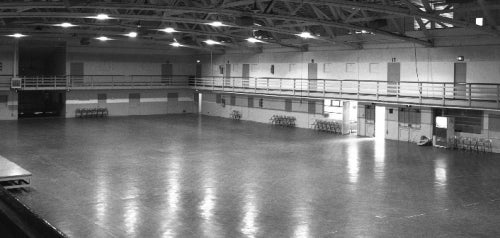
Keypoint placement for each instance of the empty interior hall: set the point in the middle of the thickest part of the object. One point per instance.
(249, 118)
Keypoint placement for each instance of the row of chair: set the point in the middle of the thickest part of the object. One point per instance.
(470, 143)
(91, 112)
(283, 120)
(328, 126)
(236, 115)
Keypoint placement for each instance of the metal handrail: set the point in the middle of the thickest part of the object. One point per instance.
(443, 93)
(369, 90)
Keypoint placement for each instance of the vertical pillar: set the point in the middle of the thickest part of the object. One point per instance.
(346, 112)
(15, 63)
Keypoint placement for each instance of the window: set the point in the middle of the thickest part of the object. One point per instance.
(350, 68)
(327, 67)
(134, 96)
(173, 97)
(102, 98)
(288, 105)
(370, 114)
(218, 98)
(4, 98)
(311, 107)
(479, 21)
(374, 68)
(420, 23)
(415, 118)
(253, 68)
(261, 103)
(250, 101)
(134, 99)
(1, 66)
(469, 121)
(335, 103)
(409, 117)
(232, 100)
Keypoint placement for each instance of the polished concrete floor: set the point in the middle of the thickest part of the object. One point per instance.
(190, 176)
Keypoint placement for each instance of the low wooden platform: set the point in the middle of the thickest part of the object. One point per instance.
(12, 175)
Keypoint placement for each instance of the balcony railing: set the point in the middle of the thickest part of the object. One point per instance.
(470, 95)
(102, 82)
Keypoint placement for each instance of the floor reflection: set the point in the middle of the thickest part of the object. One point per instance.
(208, 203)
(171, 209)
(379, 156)
(353, 162)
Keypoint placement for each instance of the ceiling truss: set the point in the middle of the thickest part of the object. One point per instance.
(345, 23)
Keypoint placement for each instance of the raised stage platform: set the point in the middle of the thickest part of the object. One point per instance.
(12, 175)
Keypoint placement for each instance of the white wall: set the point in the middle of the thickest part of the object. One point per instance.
(151, 102)
(433, 64)
(272, 106)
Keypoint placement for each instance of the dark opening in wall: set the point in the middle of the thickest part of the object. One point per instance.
(42, 58)
(261, 103)
(41, 103)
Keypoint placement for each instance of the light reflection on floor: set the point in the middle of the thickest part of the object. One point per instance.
(182, 176)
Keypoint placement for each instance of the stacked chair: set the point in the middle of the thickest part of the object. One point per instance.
(235, 115)
(470, 144)
(91, 112)
(287, 121)
(327, 126)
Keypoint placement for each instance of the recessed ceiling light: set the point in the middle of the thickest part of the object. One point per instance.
(101, 17)
(65, 25)
(103, 38)
(169, 30)
(216, 24)
(305, 35)
(175, 44)
(198, 61)
(132, 34)
(211, 42)
(254, 40)
(17, 35)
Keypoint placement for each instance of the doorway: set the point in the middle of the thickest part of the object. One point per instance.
(245, 73)
(41, 104)
(380, 122)
(312, 76)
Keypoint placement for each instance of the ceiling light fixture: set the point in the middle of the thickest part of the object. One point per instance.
(216, 24)
(305, 35)
(211, 42)
(169, 30)
(65, 25)
(175, 44)
(101, 17)
(132, 34)
(103, 38)
(17, 35)
(254, 40)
